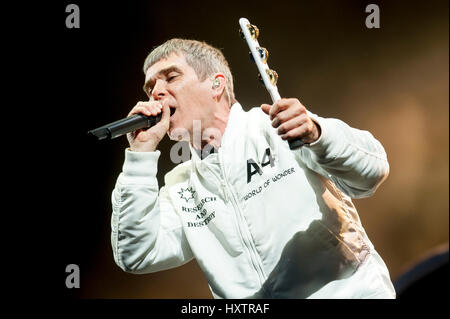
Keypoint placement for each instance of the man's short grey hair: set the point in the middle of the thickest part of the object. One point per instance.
(202, 57)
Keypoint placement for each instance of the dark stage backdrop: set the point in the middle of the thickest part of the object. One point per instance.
(392, 81)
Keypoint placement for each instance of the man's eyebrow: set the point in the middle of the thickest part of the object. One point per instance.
(165, 71)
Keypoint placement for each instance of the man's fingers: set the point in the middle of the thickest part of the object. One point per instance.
(146, 108)
(290, 118)
(294, 133)
(139, 110)
(266, 108)
(304, 130)
(291, 124)
(287, 115)
(277, 107)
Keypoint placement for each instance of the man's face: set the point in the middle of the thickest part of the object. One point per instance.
(174, 82)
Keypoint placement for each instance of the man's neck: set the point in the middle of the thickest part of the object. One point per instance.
(213, 131)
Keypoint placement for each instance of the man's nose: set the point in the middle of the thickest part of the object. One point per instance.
(159, 90)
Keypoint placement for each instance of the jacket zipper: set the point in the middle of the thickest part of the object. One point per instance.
(242, 227)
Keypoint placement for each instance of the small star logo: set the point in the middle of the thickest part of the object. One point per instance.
(187, 193)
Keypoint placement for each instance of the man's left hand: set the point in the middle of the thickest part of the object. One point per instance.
(290, 118)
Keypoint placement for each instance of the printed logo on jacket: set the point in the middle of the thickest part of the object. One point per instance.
(198, 214)
(253, 168)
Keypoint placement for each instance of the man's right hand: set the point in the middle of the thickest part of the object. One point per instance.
(146, 140)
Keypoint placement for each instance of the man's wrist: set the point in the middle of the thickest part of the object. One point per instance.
(147, 147)
(321, 127)
(317, 131)
(315, 134)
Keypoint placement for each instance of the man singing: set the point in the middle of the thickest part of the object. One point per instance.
(262, 220)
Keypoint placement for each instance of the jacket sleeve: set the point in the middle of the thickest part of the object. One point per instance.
(353, 159)
(146, 232)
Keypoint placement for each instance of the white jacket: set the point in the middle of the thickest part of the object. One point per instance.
(262, 221)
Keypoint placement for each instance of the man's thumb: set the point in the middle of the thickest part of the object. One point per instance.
(266, 108)
(165, 111)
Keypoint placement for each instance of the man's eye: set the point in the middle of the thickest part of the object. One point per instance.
(171, 77)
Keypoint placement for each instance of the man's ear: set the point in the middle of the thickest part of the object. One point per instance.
(218, 85)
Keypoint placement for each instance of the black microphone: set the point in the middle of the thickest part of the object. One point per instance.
(124, 126)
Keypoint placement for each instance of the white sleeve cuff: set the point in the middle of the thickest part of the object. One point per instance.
(140, 164)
